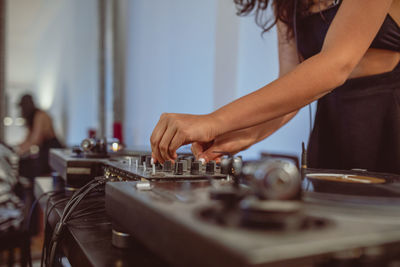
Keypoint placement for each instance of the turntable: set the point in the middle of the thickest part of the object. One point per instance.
(244, 213)
(264, 215)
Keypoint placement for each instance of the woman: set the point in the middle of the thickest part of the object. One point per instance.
(343, 53)
(41, 137)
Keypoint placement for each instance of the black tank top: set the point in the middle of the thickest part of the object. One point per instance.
(357, 125)
(311, 31)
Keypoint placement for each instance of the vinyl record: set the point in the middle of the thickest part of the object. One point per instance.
(357, 183)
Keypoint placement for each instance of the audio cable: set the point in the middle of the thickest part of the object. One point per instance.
(67, 213)
(29, 218)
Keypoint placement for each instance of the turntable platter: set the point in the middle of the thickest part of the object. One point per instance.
(347, 178)
(352, 182)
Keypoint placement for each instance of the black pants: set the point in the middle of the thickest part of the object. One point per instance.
(32, 167)
(357, 125)
(38, 165)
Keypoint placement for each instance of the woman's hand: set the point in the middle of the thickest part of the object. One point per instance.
(239, 140)
(229, 143)
(174, 130)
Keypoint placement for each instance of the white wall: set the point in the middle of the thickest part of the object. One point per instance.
(52, 53)
(193, 57)
(180, 56)
(170, 62)
(258, 66)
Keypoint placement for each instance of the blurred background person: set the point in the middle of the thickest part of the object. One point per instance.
(34, 150)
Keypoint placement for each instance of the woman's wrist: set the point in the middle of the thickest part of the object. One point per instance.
(217, 124)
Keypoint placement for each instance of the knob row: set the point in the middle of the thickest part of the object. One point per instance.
(195, 167)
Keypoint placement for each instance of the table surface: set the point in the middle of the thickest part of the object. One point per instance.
(87, 239)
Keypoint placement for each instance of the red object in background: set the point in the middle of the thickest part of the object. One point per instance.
(92, 133)
(117, 131)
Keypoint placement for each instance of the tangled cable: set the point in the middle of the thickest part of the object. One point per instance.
(49, 254)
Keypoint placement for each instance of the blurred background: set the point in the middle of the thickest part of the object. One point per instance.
(106, 65)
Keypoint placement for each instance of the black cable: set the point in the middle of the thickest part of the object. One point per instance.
(95, 207)
(29, 219)
(60, 225)
(99, 180)
(46, 237)
(28, 222)
(44, 248)
(82, 212)
(67, 214)
(75, 196)
(68, 210)
(47, 214)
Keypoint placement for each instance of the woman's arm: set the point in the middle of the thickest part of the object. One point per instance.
(349, 36)
(239, 140)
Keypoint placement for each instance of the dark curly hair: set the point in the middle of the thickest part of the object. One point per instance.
(283, 9)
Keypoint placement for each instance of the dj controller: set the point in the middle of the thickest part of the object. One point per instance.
(266, 212)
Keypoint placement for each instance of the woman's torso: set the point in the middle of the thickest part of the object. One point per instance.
(384, 53)
(357, 125)
(47, 130)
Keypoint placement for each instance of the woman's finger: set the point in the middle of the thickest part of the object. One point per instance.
(197, 149)
(176, 142)
(155, 160)
(165, 143)
(156, 137)
(212, 153)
